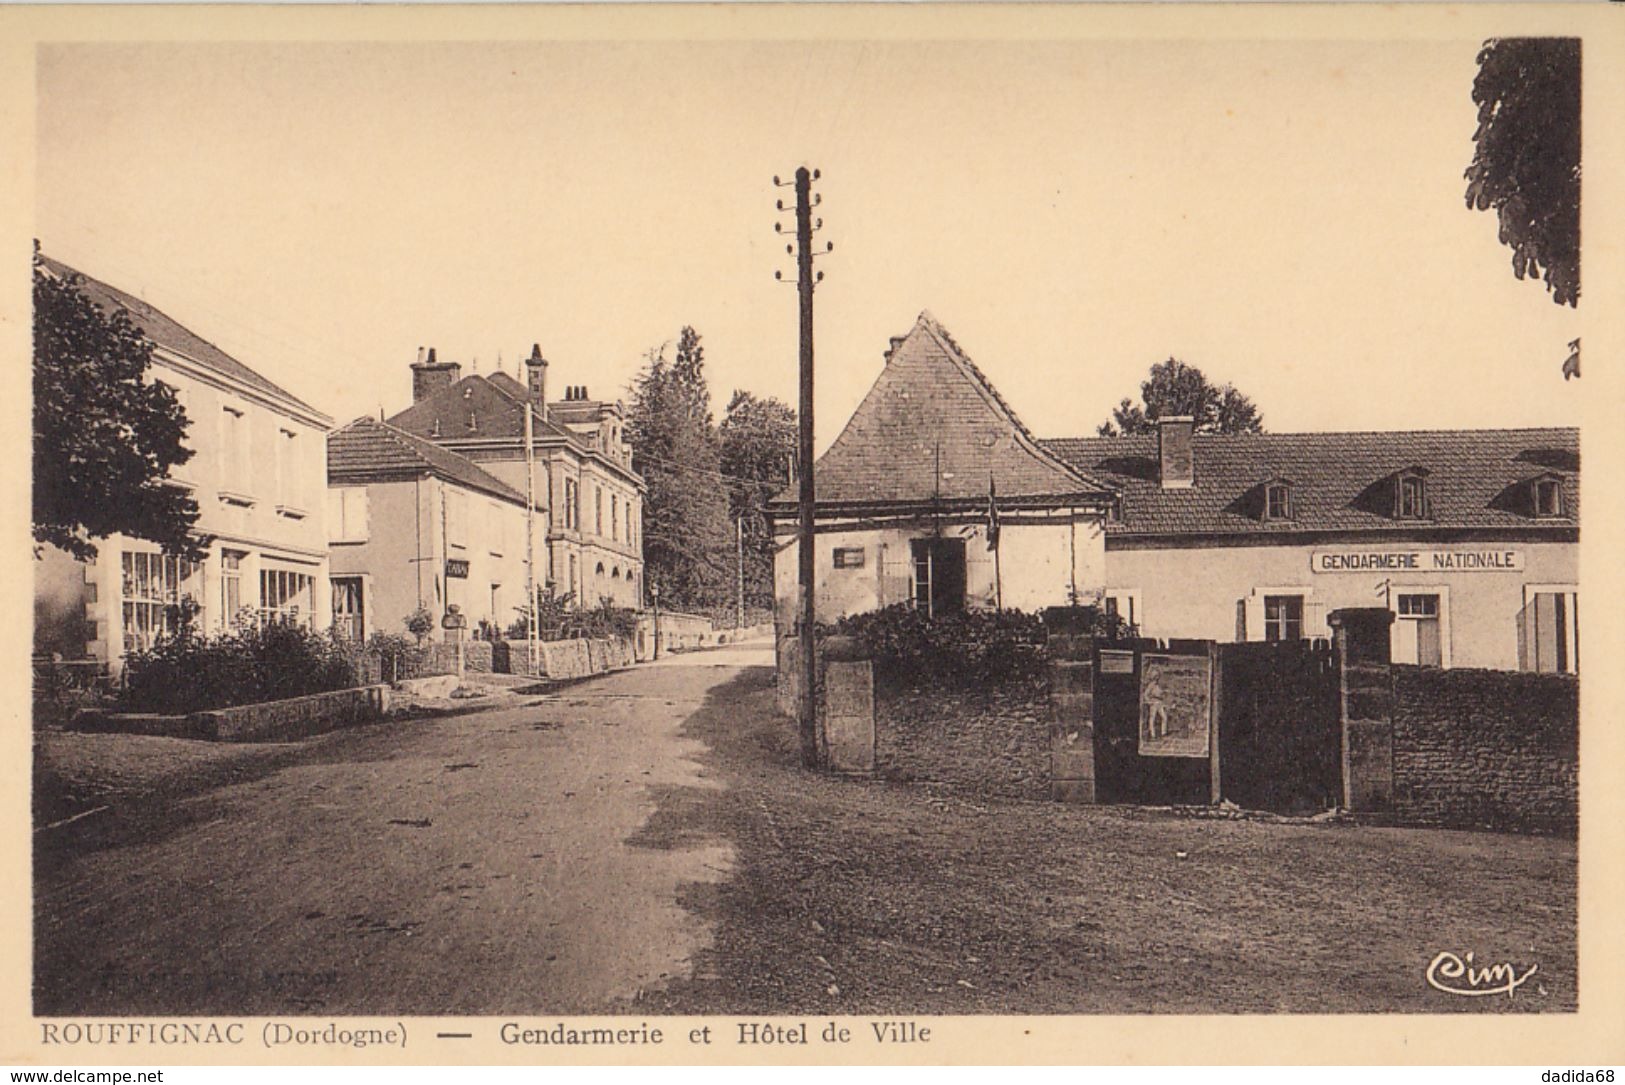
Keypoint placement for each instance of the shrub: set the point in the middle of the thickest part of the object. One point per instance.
(419, 623)
(185, 671)
(969, 648)
(557, 619)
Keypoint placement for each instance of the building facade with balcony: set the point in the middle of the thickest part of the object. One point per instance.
(258, 476)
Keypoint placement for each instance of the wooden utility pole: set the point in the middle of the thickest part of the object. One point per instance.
(530, 541)
(739, 558)
(805, 280)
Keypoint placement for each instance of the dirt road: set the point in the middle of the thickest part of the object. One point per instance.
(469, 865)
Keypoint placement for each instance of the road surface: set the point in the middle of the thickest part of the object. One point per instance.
(476, 865)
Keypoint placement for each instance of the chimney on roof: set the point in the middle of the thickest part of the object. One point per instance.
(429, 376)
(1175, 461)
(536, 380)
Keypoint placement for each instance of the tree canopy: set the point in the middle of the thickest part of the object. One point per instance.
(105, 436)
(687, 537)
(1526, 160)
(1174, 388)
(758, 438)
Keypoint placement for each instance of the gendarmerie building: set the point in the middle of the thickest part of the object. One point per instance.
(935, 495)
(1470, 537)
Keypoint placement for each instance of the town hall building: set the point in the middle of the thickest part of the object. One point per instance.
(593, 547)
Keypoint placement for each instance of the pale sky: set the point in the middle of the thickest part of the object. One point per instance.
(1288, 216)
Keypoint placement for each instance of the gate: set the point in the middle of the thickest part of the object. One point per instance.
(1139, 757)
(1280, 740)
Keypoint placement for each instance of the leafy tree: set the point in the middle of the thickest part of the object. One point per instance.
(1174, 388)
(1526, 163)
(687, 538)
(105, 437)
(758, 438)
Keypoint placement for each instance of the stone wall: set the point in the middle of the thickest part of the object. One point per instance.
(580, 658)
(993, 740)
(1478, 748)
(426, 659)
(270, 721)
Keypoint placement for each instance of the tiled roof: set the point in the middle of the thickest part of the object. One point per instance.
(1476, 479)
(933, 428)
(477, 407)
(166, 332)
(368, 450)
(509, 385)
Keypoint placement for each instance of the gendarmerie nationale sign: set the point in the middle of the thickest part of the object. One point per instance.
(1454, 559)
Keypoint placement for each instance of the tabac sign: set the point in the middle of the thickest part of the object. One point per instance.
(1176, 705)
(1452, 559)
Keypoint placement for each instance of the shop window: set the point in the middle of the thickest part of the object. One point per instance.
(152, 588)
(286, 596)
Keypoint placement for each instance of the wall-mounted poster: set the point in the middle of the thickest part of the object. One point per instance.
(1176, 705)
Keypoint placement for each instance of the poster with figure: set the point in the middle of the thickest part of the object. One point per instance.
(1176, 706)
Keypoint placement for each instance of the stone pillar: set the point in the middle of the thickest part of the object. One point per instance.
(1360, 636)
(847, 707)
(1072, 719)
(787, 688)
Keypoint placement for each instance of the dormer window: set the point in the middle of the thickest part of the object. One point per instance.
(1547, 496)
(1278, 500)
(1411, 496)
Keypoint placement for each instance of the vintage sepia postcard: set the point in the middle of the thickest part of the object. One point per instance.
(819, 534)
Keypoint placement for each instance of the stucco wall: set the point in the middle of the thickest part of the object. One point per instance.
(1195, 592)
(298, 489)
(59, 604)
(405, 552)
(1037, 566)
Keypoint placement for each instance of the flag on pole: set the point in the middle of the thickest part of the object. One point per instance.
(992, 514)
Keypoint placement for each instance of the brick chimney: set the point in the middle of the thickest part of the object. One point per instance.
(536, 380)
(1175, 461)
(429, 376)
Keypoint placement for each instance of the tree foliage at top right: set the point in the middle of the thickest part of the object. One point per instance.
(1526, 165)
